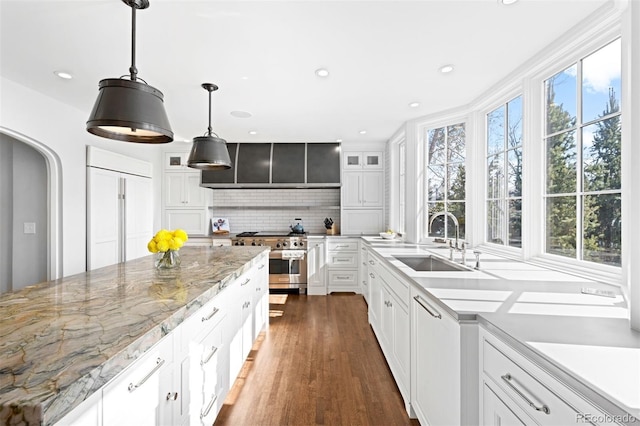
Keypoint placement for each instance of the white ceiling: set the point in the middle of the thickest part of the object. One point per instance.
(382, 55)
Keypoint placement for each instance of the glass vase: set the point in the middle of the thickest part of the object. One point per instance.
(168, 259)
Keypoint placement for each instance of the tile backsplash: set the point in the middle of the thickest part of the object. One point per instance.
(275, 209)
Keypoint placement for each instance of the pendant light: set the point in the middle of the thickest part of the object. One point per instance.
(209, 152)
(130, 110)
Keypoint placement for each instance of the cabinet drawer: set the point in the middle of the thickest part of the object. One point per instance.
(338, 245)
(534, 398)
(339, 279)
(202, 321)
(344, 260)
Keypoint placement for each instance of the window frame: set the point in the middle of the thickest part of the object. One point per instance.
(423, 129)
(506, 198)
(580, 192)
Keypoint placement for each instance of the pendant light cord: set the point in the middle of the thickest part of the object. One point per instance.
(209, 129)
(132, 69)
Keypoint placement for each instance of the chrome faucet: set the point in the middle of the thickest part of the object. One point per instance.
(457, 247)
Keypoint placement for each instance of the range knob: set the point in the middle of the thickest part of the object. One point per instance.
(295, 244)
(277, 245)
(284, 244)
(242, 242)
(237, 243)
(261, 243)
(253, 243)
(301, 243)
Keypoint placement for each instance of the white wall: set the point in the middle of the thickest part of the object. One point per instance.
(62, 128)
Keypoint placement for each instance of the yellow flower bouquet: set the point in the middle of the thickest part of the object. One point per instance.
(167, 243)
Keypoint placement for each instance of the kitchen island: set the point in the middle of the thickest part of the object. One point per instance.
(62, 341)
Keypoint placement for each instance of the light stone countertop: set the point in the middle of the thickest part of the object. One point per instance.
(583, 340)
(60, 341)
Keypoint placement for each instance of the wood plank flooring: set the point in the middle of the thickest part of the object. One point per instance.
(319, 364)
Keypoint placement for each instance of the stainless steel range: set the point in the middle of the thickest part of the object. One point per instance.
(287, 259)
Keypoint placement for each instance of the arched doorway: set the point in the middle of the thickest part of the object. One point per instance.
(53, 191)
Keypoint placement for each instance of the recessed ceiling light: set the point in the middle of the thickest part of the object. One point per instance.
(253, 132)
(322, 72)
(446, 69)
(414, 104)
(240, 114)
(363, 132)
(244, 77)
(338, 140)
(507, 2)
(63, 74)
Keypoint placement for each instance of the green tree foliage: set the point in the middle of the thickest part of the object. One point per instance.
(561, 178)
(602, 213)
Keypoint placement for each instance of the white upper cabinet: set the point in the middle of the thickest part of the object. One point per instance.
(367, 160)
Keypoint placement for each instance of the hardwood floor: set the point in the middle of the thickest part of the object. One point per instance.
(319, 363)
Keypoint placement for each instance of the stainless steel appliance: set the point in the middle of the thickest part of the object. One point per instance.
(287, 259)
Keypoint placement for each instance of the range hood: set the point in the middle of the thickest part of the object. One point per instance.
(278, 165)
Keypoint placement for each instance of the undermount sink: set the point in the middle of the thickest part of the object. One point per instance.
(430, 263)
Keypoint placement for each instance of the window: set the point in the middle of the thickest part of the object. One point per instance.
(582, 142)
(445, 156)
(504, 174)
(402, 182)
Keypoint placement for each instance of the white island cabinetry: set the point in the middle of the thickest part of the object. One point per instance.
(185, 377)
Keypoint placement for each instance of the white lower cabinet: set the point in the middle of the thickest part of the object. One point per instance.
(443, 365)
(364, 271)
(139, 394)
(343, 264)
(495, 412)
(528, 394)
(389, 318)
(184, 379)
(316, 267)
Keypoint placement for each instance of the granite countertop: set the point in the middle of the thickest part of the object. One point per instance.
(60, 341)
(584, 340)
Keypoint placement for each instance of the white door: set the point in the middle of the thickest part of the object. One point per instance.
(194, 193)
(351, 189)
(437, 365)
(174, 190)
(372, 189)
(103, 245)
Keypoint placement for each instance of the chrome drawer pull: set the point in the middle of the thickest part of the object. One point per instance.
(507, 380)
(436, 315)
(342, 277)
(206, 410)
(159, 363)
(246, 281)
(213, 352)
(208, 317)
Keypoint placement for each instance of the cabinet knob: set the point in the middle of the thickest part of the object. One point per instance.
(172, 396)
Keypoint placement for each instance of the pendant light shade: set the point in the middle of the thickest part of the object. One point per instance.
(209, 152)
(130, 110)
